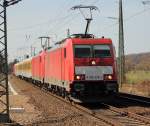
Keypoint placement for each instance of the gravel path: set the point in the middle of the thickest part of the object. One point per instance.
(41, 109)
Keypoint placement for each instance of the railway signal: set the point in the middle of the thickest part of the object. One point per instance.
(4, 89)
(88, 19)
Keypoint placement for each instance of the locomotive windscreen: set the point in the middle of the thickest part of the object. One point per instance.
(83, 51)
(92, 51)
(101, 51)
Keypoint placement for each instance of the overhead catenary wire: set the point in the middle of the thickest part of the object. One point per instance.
(64, 7)
(38, 25)
(44, 23)
(66, 20)
(82, 11)
(69, 18)
(129, 18)
(56, 19)
(61, 27)
(52, 21)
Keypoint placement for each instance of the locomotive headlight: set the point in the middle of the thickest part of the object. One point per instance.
(79, 87)
(108, 77)
(93, 63)
(79, 77)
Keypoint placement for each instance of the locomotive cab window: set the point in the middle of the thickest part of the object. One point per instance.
(101, 51)
(82, 51)
(64, 52)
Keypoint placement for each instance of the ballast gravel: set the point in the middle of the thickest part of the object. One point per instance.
(42, 109)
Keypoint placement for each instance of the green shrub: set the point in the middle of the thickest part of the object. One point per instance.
(134, 77)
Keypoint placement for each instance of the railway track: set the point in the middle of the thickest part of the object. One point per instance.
(101, 118)
(108, 115)
(136, 98)
(111, 116)
(125, 117)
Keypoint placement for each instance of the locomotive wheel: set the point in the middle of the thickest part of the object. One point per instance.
(64, 94)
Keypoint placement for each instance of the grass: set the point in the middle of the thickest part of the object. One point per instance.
(134, 77)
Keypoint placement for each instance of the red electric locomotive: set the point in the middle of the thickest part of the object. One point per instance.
(38, 68)
(82, 68)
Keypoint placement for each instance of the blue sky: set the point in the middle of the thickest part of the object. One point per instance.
(30, 19)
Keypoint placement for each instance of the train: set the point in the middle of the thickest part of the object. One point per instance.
(81, 68)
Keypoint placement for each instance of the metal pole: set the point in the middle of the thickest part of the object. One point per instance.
(68, 33)
(4, 88)
(121, 57)
(31, 51)
(48, 42)
(6, 58)
(87, 26)
(34, 51)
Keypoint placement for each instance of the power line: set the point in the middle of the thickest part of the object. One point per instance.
(129, 18)
(61, 25)
(66, 20)
(38, 25)
(66, 23)
(44, 23)
(74, 17)
(61, 10)
(136, 14)
(47, 22)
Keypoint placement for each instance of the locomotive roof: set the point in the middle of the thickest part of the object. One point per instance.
(92, 41)
(84, 38)
(81, 41)
(75, 39)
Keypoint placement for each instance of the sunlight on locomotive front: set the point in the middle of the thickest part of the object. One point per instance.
(95, 72)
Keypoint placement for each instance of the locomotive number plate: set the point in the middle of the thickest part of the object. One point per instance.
(90, 77)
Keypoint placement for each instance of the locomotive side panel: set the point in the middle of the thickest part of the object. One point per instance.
(42, 66)
(68, 68)
(53, 67)
(36, 68)
(59, 66)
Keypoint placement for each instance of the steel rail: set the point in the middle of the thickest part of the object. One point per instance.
(95, 114)
(140, 99)
(102, 118)
(82, 109)
(129, 114)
